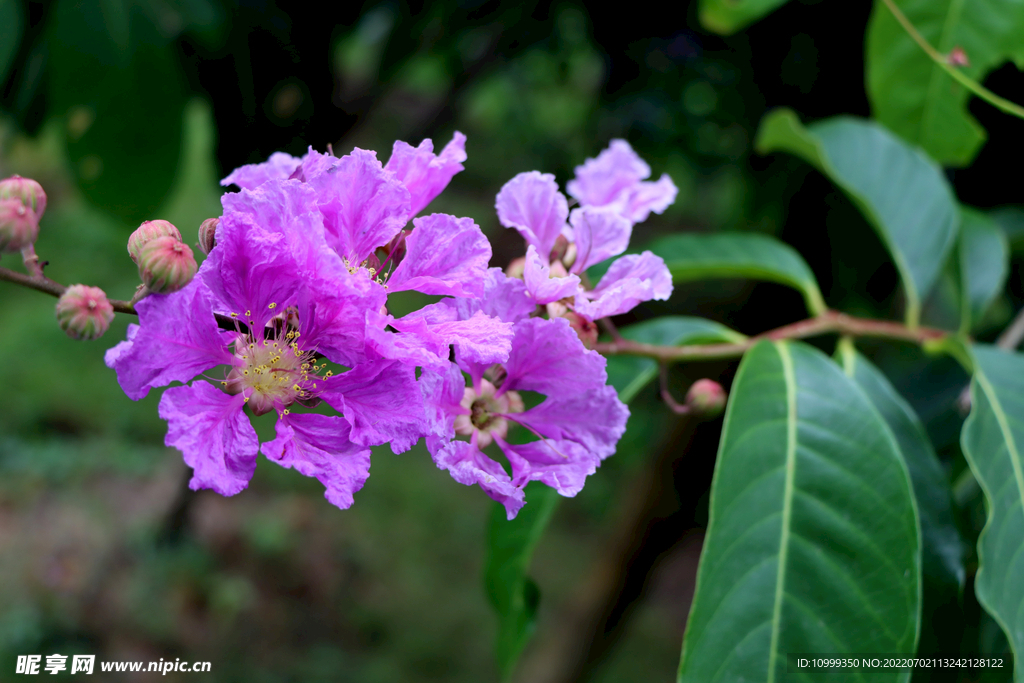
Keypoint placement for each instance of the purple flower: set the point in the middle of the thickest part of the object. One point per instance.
(532, 204)
(271, 271)
(424, 174)
(615, 179)
(578, 423)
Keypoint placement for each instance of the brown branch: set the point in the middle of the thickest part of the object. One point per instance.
(827, 323)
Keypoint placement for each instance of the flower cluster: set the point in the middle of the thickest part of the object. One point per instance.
(290, 312)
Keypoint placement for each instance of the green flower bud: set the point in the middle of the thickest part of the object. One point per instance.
(166, 265)
(208, 235)
(27, 191)
(148, 231)
(83, 312)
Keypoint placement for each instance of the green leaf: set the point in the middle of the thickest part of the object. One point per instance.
(984, 257)
(992, 441)
(630, 374)
(901, 192)
(942, 548)
(12, 20)
(512, 593)
(728, 16)
(813, 543)
(912, 95)
(692, 256)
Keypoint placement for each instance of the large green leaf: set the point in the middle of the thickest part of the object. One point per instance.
(512, 593)
(692, 256)
(942, 548)
(10, 36)
(984, 256)
(813, 542)
(729, 16)
(993, 443)
(912, 95)
(901, 192)
(630, 374)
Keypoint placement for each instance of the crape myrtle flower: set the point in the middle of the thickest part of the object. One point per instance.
(577, 425)
(273, 272)
(613, 196)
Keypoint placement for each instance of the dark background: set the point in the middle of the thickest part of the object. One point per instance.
(128, 111)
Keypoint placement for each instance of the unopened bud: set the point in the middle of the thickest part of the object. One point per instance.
(27, 191)
(166, 265)
(560, 248)
(19, 226)
(585, 329)
(208, 235)
(706, 398)
(516, 268)
(570, 255)
(147, 232)
(957, 57)
(83, 312)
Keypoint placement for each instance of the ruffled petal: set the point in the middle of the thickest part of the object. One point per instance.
(423, 173)
(541, 286)
(177, 338)
(562, 465)
(284, 206)
(503, 297)
(319, 446)
(604, 180)
(480, 339)
(630, 280)
(363, 205)
(279, 166)
(213, 434)
(599, 234)
(532, 204)
(468, 465)
(548, 357)
(444, 255)
(646, 197)
(333, 309)
(596, 420)
(381, 401)
(442, 392)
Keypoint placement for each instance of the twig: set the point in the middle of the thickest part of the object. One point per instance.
(828, 322)
(611, 329)
(978, 89)
(666, 394)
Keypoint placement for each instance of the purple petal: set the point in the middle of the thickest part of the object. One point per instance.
(115, 352)
(318, 446)
(444, 255)
(382, 403)
(363, 205)
(632, 279)
(468, 465)
(416, 345)
(278, 167)
(541, 285)
(177, 338)
(503, 297)
(213, 434)
(442, 393)
(532, 204)
(562, 465)
(285, 206)
(603, 180)
(548, 357)
(596, 420)
(647, 196)
(425, 335)
(424, 174)
(333, 310)
(599, 234)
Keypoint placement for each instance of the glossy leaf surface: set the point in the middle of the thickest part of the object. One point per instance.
(983, 258)
(729, 16)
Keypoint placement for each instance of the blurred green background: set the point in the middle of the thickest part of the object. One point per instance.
(128, 110)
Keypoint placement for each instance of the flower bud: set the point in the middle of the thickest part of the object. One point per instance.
(27, 191)
(585, 329)
(19, 226)
(516, 268)
(208, 235)
(560, 248)
(83, 312)
(706, 398)
(166, 265)
(148, 231)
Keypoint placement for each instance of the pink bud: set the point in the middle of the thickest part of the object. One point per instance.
(516, 268)
(706, 398)
(27, 191)
(148, 231)
(19, 226)
(957, 57)
(208, 235)
(585, 329)
(83, 312)
(166, 265)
